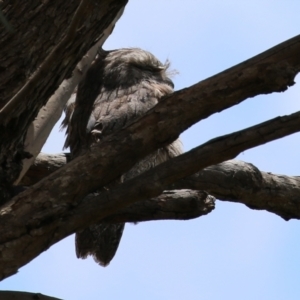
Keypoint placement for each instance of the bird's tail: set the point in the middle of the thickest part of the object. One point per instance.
(99, 240)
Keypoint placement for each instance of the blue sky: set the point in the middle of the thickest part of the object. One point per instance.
(234, 252)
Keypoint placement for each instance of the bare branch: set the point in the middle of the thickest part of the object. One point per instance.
(233, 180)
(237, 181)
(171, 205)
(163, 124)
(44, 165)
(52, 209)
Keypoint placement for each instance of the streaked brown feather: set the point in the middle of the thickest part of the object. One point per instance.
(120, 86)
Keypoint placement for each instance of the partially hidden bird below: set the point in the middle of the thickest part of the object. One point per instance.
(119, 87)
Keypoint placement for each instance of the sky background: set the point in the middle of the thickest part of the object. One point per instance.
(234, 252)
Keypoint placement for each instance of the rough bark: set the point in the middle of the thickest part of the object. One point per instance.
(170, 205)
(237, 181)
(53, 208)
(233, 180)
(44, 165)
(163, 124)
(181, 204)
(54, 37)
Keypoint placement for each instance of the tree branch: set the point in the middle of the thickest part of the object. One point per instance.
(241, 182)
(53, 208)
(162, 124)
(44, 165)
(181, 204)
(170, 205)
(233, 180)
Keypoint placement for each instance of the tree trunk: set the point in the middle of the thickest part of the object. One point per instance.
(47, 41)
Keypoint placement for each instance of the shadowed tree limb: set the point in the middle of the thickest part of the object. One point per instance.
(53, 208)
(237, 181)
(170, 205)
(181, 204)
(161, 125)
(233, 180)
(44, 165)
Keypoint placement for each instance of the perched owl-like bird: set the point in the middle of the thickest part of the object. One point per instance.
(120, 86)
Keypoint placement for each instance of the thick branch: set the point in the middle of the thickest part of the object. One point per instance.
(51, 210)
(233, 180)
(171, 205)
(177, 112)
(237, 181)
(181, 204)
(118, 153)
(44, 165)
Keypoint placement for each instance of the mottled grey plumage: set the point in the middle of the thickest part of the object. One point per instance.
(120, 86)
